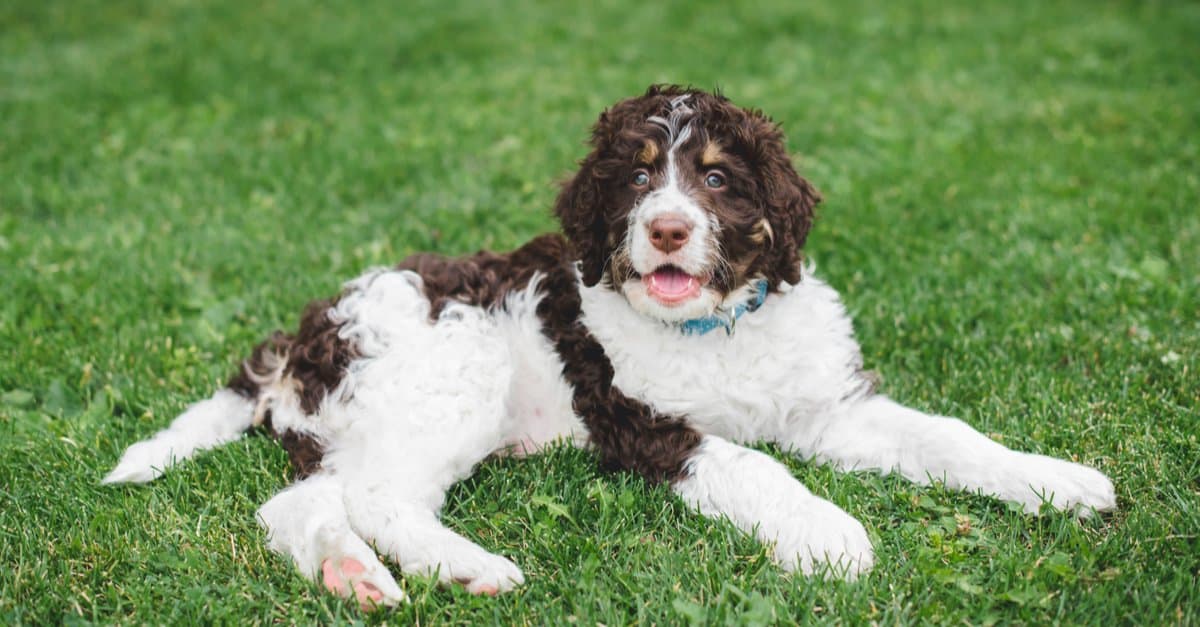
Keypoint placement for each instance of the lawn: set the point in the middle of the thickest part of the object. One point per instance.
(1012, 215)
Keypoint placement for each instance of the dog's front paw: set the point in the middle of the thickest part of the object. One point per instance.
(825, 541)
(491, 576)
(470, 566)
(1065, 485)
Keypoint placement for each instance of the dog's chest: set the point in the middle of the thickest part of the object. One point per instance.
(791, 360)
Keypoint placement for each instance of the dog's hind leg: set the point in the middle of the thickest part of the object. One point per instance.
(204, 425)
(410, 533)
(418, 433)
(308, 523)
(395, 481)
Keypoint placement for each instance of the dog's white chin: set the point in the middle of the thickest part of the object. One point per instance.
(699, 306)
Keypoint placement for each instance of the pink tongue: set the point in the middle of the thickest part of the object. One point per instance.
(671, 282)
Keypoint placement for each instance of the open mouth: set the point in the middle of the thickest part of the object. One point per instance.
(670, 285)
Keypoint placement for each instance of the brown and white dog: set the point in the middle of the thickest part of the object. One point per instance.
(674, 321)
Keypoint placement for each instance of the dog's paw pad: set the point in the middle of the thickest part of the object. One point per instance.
(367, 594)
(350, 576)
(475, 586)
(332, 580)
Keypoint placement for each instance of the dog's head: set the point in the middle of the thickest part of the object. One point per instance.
(685, 202)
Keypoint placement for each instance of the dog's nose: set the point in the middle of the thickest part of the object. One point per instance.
(669, 233)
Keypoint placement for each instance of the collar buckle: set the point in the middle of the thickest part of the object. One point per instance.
(726, 319)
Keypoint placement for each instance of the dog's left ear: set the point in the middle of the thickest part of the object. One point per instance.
(788, 200)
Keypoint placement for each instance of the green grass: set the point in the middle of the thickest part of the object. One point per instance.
(1012, 217)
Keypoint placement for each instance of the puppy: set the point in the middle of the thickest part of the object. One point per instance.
(670, 323)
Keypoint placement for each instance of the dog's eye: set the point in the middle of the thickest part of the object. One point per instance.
(641, 178)
(714, 179)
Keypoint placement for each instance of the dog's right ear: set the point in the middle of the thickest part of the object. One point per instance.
(587, 206)
(581, 207)
(581, 215)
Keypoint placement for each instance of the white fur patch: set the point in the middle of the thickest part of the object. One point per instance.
(789, 362)
(540, 400)
(759, 496)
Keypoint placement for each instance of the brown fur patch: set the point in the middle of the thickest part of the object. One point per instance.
(303, 450)
(261, 365)
(484, 278)
(318, 358)
(314, 360)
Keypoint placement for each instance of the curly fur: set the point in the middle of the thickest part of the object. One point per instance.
(396, 389)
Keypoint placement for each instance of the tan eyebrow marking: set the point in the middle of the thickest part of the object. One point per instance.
(712, 154)
(648, 153)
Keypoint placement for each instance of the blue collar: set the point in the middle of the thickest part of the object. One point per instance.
(726, 319)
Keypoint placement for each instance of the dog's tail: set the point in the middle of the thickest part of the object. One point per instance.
(210, 423)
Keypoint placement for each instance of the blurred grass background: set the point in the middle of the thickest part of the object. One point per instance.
(1011, 214)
